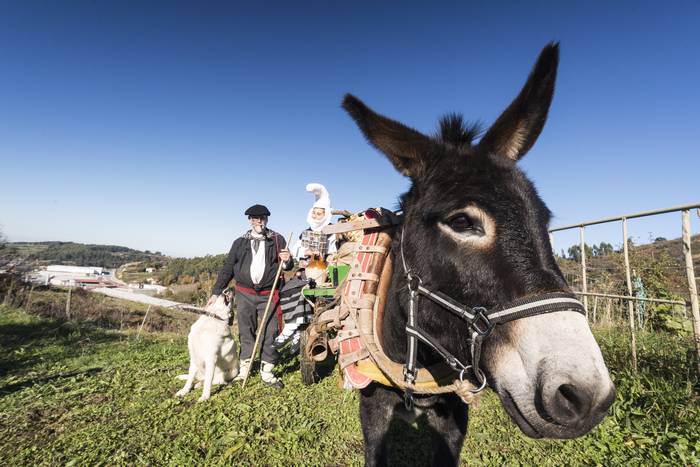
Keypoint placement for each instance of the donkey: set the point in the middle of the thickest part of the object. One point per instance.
(475, 230)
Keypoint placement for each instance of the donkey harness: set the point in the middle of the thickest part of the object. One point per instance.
(357, 319)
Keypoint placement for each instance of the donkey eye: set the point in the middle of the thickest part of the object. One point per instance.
(460, 223)
(469, 226)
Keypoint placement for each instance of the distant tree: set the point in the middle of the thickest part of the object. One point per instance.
(575, 252)
(659, 239)
(602, 250)
(3, 240)
(198, 269)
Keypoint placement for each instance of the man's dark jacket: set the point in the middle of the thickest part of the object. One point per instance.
(237, 265)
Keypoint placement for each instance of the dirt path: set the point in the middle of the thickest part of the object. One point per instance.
(137, 297)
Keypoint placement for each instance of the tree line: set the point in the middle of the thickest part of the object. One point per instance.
(574, 252)
(200, 269)
(78, 254)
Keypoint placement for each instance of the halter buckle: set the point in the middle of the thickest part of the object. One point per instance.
(453, 363)
(481, 324)
(413, 281)
(409, 375)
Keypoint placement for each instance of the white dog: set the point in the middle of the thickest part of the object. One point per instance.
(213, 354)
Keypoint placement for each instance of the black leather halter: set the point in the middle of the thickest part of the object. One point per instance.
(480, 321)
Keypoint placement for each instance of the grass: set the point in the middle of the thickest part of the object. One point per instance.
(77, 394)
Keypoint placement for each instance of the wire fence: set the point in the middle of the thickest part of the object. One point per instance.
(641, 289)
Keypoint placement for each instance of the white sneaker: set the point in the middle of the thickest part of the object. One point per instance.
(289, 331)
(243, 370)
(268, 377)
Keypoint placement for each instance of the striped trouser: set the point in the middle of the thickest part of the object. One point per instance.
(292, 304)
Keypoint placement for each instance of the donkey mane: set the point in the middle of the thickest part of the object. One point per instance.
(454, 131)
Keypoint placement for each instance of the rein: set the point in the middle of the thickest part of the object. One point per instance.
(480, 321)
(204, 312)
(199, 311)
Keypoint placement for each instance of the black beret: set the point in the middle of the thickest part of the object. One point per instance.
(257, 210)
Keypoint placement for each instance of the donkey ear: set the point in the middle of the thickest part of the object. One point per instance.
(518, 127)
(406, 148)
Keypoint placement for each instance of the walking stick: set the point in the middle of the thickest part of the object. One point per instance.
(263, 324)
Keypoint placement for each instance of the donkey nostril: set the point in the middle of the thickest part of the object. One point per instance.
(570, 404)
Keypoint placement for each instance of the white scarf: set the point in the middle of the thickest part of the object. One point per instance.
(257, 265)
(318, 225)
(322, 201)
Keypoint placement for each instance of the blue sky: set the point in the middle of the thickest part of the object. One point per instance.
(154, 125)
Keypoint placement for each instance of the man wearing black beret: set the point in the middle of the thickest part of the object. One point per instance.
(253, 261)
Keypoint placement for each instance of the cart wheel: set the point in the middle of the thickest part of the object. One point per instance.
(306, 364)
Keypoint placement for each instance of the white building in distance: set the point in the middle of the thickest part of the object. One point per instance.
(83, 271)
(72, 276)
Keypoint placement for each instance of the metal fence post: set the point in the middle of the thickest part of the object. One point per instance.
(595, 309)
(692, 287)
(551, 244)
(584, 281)
(630, 305)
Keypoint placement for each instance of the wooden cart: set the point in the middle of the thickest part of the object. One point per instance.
(317, 299)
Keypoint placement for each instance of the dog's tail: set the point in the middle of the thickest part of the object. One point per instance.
(182, 377)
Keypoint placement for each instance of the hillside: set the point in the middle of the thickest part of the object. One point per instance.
(660, 265)
(192, 270)
(77, 254)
